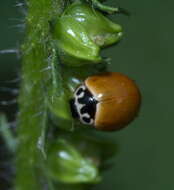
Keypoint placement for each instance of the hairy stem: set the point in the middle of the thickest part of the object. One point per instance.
(32, 119)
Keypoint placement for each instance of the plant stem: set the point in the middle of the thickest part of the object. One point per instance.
(35, 73)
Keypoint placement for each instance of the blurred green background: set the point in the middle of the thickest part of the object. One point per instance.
(145, 159)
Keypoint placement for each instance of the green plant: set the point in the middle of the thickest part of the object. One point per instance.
(60, 50)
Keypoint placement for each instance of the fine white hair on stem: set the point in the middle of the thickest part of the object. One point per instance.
(46, 69)
(19, 4)
(18, 26)
(13, 91)
(38, 114)
(17, 19)
(15, 80)
(8, 103)
(9, 51)
(22, 7)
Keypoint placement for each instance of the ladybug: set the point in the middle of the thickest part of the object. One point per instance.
(108, 101)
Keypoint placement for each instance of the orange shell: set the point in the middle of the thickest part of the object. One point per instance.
(119, 99)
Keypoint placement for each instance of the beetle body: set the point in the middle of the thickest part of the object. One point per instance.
(108, 101)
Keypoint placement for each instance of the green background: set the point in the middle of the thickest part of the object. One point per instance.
(145, 159)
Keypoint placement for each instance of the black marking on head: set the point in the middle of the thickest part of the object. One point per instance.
(86, 120)
(79, 91)
(83, 105)
(89, 103)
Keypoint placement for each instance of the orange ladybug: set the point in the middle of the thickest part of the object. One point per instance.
(108, 101)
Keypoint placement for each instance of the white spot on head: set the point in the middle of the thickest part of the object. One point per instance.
(81, 95)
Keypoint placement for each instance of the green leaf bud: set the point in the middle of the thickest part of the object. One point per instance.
(66, 164)
(81, 32)
(74, 44)
(101, 30)
(93, 147)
